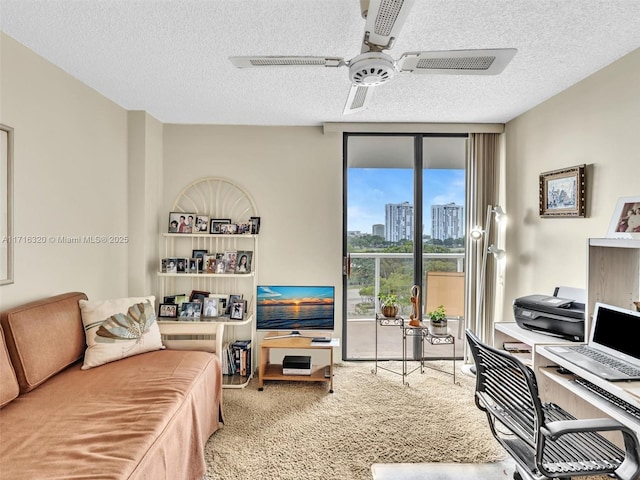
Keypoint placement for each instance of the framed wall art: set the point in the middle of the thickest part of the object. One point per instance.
(6, 205)
(625, 222)
(563, 193)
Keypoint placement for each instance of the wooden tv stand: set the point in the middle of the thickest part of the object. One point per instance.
(271, 371)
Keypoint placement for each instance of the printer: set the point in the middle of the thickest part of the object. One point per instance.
(550, 315)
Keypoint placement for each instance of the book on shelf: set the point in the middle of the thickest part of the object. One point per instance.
(236, 358)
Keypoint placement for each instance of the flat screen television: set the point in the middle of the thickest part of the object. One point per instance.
(295, 307)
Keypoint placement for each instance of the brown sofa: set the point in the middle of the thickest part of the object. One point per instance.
(143, 417)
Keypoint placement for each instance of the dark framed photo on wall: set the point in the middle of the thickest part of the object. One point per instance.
(563, 193)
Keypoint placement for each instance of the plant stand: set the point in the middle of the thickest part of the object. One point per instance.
(408, 331)
(447, 339)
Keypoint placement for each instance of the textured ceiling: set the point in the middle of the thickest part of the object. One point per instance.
(170, 58)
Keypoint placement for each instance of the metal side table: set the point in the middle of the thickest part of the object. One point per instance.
(408, 331)
(447, 339)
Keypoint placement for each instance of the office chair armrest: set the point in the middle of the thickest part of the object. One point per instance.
(556, 429)
(630, 467)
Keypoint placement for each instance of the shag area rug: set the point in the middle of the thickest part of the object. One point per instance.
(297, 430)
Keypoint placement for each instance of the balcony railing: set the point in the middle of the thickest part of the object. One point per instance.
(393, 271)
(456, 259)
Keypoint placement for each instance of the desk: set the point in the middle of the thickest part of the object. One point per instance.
(580, 401)
(409, 331)
(560, 388)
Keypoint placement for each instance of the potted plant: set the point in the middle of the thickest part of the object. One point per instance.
(388, 304)
(438, 321)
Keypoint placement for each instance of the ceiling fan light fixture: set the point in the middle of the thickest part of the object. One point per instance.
(372, 69)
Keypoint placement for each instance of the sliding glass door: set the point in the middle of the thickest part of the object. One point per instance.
(404, 216)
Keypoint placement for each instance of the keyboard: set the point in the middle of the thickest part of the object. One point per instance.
(607, 360)
(611, 398)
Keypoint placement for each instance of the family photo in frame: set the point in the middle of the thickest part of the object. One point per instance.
(181, 222)
(168, 310)
(190, 311)
(625, 222)
(210, 307)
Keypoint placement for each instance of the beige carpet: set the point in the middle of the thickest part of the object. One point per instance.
(297, 430)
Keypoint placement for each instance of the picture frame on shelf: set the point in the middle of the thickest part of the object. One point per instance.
(215, 224)
(220, 263)
(176, 299)
(563, 192)
(625, 222)
(168, 310)
(181, 222)
(202, 224)
(181, 298)
(210, 307)
(232, 298)
(182, 265)
(244, 228)
(172, 265)
(198, 296)
(164, 264)
(193, 265)
(222, 302)
(210, 263)
(228, 228)
(190, 311)
(230, 261)
(237, 310)
(243, 264)
(255, 225)
(199, 255)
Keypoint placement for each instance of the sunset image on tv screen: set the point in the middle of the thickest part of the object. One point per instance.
(295, 307)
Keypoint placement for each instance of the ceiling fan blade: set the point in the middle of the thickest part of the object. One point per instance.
(457, 62)
(358, 99)
(284, 61)
(385, 19)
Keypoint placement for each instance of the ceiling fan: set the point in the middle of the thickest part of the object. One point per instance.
(373, 67)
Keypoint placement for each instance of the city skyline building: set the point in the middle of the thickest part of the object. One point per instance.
(447, 221)
(378, 230)
(398, 222)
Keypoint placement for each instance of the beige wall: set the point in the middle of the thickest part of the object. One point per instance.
(144, 198)
(70, 180)
(595, 122)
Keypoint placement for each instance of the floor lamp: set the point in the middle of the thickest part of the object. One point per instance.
(477, 325)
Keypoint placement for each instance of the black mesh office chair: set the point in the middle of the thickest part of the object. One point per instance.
(545, 441)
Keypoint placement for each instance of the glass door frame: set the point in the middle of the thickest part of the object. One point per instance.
(418, 168)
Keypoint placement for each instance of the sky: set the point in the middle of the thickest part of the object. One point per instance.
(370, 189)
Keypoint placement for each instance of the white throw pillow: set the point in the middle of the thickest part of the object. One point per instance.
(119, 328)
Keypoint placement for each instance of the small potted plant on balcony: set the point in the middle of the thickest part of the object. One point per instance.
(438, 321)
(388, 304)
